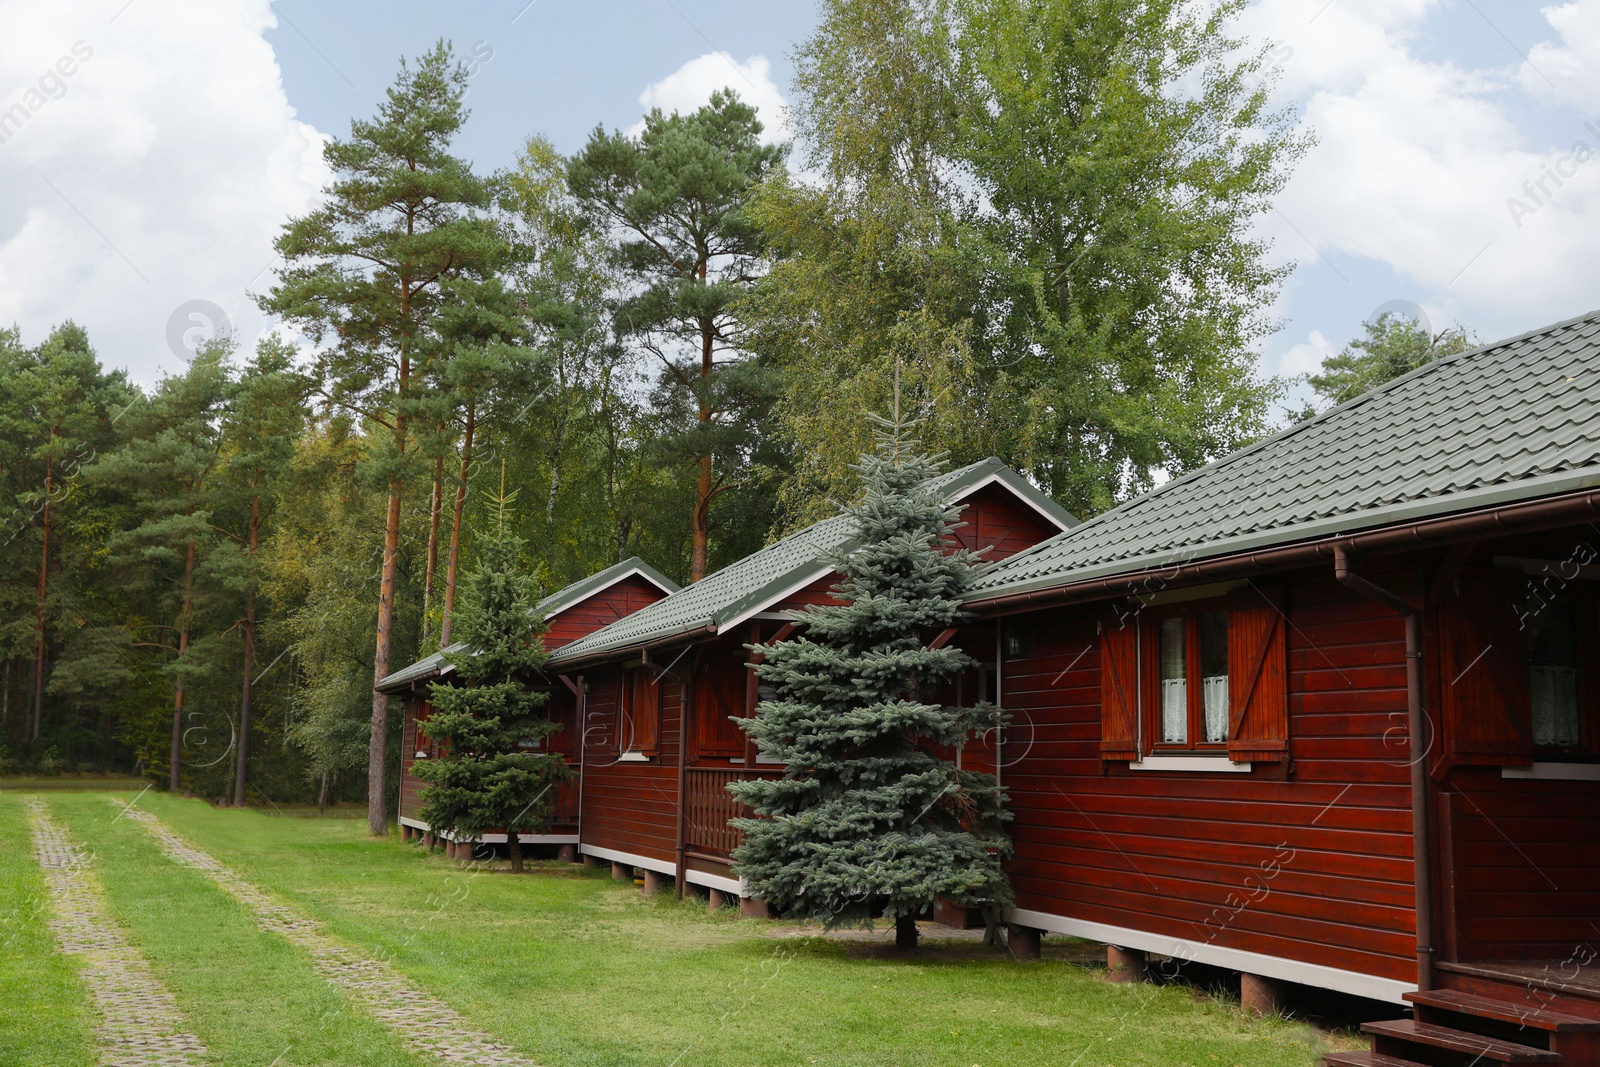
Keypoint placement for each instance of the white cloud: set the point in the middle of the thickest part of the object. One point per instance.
(691, 85)
(158, 174)
(1306, 357)
(1418, 159)
(1568, 70)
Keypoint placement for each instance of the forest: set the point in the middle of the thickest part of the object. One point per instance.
(1037, 221)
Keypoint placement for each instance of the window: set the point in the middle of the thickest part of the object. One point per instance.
(1208, 678)
(1518, 662)
(1193, 679)
(641, 712)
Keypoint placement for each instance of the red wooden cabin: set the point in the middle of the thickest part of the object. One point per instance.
(679, 669)
(572, 613)
(1327, 711)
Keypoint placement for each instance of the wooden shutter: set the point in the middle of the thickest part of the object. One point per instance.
(719, 694)
(641, 712)
(1483, 672)
(422, 741)
(1119, 690)
(646, 710)
(1258, 685)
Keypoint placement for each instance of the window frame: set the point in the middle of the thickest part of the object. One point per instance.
(1194, 686)
(1586, 656)
(632, 741)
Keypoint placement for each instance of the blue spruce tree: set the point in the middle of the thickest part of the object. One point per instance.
(867, 818)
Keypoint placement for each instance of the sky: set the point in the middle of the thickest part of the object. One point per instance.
(151, 149)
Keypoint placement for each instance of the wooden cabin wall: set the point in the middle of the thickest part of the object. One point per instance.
(630, 807)
(1520, 867)
(997, 524)
(621, 598)
(1308, 860)
(410, 785)
(1518, 863)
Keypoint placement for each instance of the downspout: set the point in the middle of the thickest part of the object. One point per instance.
(1417, 727)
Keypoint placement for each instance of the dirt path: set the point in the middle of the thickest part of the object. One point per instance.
(424, 1023)
(140, 1024)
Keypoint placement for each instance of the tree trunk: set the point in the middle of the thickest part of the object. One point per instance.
(378, 749)
(36, 712)
(700, 534)
(242, 764)
(183, 646)
(558, 438)
(514, 848)
(434, 507)
(322, 794)
(453, 562)
(905, 932)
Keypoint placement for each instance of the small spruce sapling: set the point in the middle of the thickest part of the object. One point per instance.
(495, 771)
(867, 817)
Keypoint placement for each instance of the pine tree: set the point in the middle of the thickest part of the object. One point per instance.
(368, 272)
(677, 193)
(494, 772)
(866, 816)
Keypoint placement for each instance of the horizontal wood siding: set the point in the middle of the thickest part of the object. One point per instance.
(1526, 853)
(630, 807)
(603, 608)
(1310, 862)
(997, 524)
(410, 784)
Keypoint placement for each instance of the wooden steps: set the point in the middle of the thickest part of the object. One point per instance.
(1407, 1036)
(1364, 1058)
(1476, 1005)
(1479, 1025)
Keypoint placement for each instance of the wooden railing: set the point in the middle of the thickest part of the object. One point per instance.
(708, 806)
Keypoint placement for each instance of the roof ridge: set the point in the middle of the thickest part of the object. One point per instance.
(1432, 366)
(1495, 422)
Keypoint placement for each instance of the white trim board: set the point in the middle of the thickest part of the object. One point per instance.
(1555, 772)
(496, 839)
(666, 867)
(1312, 974)
(1029, 501)
(1212, 764)
(715, 881)
(762, 608)
(601, 589)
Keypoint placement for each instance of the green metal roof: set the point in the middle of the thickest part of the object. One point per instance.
(1510, 421)
(742, 588)
(549, 607)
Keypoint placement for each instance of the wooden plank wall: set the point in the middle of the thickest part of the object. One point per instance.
(999, 525)
(410, 785)
(607, 606)
(1524, 860)
(630, 807)
(1184, 854)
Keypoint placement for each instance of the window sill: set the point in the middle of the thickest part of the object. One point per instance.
(633, 757)
(1213, 764)
(1555, 772)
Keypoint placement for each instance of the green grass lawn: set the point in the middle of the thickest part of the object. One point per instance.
(43, 1018)
(573, 969)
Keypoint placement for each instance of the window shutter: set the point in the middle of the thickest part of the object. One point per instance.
(646, 710)
(640, 712)
(1119, 682)
(1258, 685)
(1483, 672)
(719, 694)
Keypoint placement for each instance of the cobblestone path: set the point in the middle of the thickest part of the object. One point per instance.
(424, 1023)
(140, 1024)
